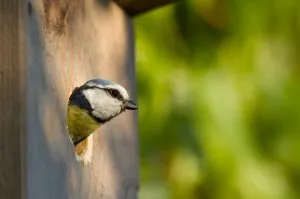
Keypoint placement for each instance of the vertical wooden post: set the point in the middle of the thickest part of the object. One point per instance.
(12, 100)
(68, 43)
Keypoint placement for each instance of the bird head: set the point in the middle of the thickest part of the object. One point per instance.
(102, 99)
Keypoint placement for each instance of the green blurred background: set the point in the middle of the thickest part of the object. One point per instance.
(219, 95)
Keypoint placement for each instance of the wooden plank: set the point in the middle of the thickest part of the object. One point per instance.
(68, 45)
(136, 7)
(12, 100)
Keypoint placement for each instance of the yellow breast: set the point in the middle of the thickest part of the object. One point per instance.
(80, 123)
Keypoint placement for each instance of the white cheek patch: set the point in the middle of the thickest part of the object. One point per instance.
(103, 105)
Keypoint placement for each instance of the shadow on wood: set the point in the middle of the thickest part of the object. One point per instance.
(136, 7)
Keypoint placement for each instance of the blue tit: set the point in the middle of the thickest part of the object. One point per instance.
(92, 105)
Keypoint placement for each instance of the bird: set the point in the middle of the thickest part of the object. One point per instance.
(93, 104)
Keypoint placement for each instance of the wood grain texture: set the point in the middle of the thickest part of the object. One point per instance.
(136, 7)
(11, 100)
(94, 41)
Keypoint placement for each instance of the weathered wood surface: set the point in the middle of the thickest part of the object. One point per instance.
(66, 44)
(136, 7)
(11, 101)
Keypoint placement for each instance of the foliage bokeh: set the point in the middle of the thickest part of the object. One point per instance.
(219, 100)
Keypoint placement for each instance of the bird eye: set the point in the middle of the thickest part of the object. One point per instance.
(114, 93)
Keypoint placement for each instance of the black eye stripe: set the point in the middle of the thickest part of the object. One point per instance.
(115, 93)
(108, 90)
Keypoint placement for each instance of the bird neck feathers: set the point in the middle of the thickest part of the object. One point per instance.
(80, 123)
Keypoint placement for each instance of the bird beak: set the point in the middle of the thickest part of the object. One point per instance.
(130, 105)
